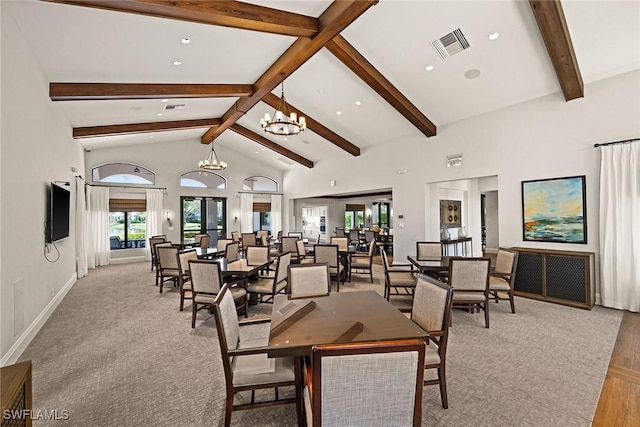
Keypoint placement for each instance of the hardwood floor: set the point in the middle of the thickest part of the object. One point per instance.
(619, 403)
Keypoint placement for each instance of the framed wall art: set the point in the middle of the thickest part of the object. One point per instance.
(450, 213)
(554, 210)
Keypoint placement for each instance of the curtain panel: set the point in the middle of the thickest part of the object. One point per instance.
(154, 216)
(276, 214)
(246, 213)
(98, 201)
(82, 266)
(620, 226)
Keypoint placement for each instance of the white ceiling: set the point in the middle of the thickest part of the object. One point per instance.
(79, 44)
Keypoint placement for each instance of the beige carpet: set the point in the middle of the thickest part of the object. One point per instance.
(117, 353)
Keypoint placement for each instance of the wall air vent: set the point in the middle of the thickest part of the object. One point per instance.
(450, 44)
(169, 107)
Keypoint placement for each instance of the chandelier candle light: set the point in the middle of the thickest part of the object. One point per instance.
(212, 162)
(283, 124)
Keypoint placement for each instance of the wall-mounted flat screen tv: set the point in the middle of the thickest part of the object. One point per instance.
(59, 203)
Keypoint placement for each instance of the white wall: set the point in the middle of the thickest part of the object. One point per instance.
(543, 138)
(37, 148)
(169, 160)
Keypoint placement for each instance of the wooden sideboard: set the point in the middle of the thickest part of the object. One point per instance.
(563, 277)
(16, 394)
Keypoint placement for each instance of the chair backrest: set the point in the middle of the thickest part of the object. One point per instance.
(469, 274)
(228, 329)
(428, 250)
(282, 268)
(369, 236)
(288, 244)
(354, 235)
(222, 244)
(167, 257)
(300, 249)
(203, 240)
(206, 276)
(279, 235)
(341, 242)
(432, 300)
(183, 260)
(361, 368)
(261, 233)
(327, 254)
(257, 255)
(248, 239)
(235, 236)
(297, 234)
(231, 251)
(340, 232)
(506, 262)
(153, 241)
(264, 240)
(308, 279)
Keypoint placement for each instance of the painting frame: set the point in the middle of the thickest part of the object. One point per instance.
(450, 213)
(555, 210)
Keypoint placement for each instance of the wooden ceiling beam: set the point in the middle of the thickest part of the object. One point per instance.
(555, 33)
(106, 91)
(357, 63)
(124, 129)
(333, 20)
(271, 145)
(232, 14)
(328, 134)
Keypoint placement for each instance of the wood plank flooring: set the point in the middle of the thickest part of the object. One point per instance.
(619, 403)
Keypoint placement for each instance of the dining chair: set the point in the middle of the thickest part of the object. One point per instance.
(502, 277)
(221, 244)
(469, 277)
(398, 277)
(167, 264)
(245, 362)
(301, 252)
(297, 234)
(366, 384)
(354, 238)
(203, 240)
(431, 311)
(152, 242)
(266, 287)
(247, 239)
(231, 251)
(308, 280)
(235, 236)
(328, 254)
(342, 242)
(257, 255)
(428, 250)
(362, 263)
(184, 279)
(206, 283)
(260, 234)
(288, 244)
(340, 232)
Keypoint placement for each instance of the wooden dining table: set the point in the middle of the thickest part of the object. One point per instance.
(430, 266)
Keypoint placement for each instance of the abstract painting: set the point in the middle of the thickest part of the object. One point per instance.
(554, 210)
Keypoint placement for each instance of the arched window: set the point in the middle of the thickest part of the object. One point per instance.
(259, 183)
(203, 179)
(123, 173)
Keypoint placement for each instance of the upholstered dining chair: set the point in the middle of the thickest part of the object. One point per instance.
(247, 239)
(398, 277)
(328, 254)
(167, 264)
(502, 277)
(382, 380)
(469, 277)
(221, 244)
(266, 287)
(184, 280)
(206, 282)
(341, 242)
(288, 244)
(308, 279)
(232, 250)
(245, 362)
(428, 250)
(297, 234)
(152, 246)
(301, 251)
(431, 311)
(260, 234)
(257, 255)
(362, 263)
(235, 236)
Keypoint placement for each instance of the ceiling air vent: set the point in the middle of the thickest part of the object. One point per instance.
(174, 107)
(286, 161)
(451, 43)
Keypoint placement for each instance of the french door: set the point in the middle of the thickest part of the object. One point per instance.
(203, 215)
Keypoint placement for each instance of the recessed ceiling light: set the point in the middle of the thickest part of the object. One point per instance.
(263, 149)
(159, 114)
(150, 136)
(429, 67)
(472, 74)
(493, 36)
(338, 112)
(177, 62)
(165, 100)
(186, 40)
(256, 152)
(358, 103)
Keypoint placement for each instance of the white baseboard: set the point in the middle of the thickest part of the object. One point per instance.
(32, 330)
(129, 259)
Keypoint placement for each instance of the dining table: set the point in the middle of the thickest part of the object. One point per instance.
(431, 266)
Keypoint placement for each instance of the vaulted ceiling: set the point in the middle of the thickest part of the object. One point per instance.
(355, 69)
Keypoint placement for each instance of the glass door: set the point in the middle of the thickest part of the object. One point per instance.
(203, 215)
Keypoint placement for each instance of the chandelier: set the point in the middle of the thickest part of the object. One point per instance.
(212, 162)
(283, 124)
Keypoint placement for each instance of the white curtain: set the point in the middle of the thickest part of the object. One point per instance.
(620, 226)
(276, 214)
(154, 217)
(98, 202)
(81, 208)
(246, 213)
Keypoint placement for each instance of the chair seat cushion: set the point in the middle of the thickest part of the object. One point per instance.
(360, 263)
(468, 296)
(306, 261)
(236, 293)
(186, 285)
(402, 280)
(257, 369)
(169, 273)
(265, 286)
(431, 355)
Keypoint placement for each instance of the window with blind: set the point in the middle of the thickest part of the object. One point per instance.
(127, 223)
(353, 216)
(262, 216)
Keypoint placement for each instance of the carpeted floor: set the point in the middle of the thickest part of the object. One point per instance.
(118, 353)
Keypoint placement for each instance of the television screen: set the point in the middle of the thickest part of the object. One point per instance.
(59, 213)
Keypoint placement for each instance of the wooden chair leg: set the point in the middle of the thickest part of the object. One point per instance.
(228, 409)
(182, 301)
(486, 314)
(513, 306)
(193, 314)
(443, 386)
